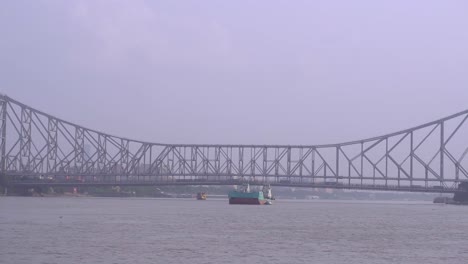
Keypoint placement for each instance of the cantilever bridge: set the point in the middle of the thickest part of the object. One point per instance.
(38, 149)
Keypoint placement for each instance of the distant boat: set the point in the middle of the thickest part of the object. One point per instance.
(245, 196)
(201, 196)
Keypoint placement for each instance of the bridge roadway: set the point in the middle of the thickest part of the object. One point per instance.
(329, 185)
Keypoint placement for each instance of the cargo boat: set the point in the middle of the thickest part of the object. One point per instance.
(201, 196)
(245, 196)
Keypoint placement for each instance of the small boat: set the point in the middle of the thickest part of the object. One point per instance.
(267, 195)
(201, 196)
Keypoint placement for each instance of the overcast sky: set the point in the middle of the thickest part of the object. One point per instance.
(247, 72)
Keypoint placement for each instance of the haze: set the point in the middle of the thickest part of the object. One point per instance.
(247, 72)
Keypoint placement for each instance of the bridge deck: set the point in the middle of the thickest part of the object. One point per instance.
(369, 187)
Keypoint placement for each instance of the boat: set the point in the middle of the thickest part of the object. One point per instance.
(245, 196)
(201, 196)
(267, 193)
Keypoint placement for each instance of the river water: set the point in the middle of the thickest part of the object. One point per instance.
(131, 230)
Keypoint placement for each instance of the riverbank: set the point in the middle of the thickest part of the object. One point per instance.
(219, 191)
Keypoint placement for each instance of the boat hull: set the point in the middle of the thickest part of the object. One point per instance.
(246, 200)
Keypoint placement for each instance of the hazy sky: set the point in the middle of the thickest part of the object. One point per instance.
(263, 72)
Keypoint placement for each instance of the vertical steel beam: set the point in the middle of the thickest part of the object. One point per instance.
(80, 159)
(25, 144)
(362, 162)
(442, 151)
(411, 157)
(101, 152)
(337, 171)
(265, 163)
(195, 159)
(252, 163)
(277, 162)
(229, 162)
(313, 164)
(52, 143)
(288, 164)
(217, 161)
(301, 164)
(124, 156)
(3, 138)
(386, 162)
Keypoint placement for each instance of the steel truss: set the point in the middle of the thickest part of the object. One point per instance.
(39, 147)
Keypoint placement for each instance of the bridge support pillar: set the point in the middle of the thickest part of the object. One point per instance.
(461, 196)
(3, 183)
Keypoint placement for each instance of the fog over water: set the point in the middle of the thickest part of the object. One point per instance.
(249, 72)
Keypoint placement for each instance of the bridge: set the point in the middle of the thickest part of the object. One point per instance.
(38, 149)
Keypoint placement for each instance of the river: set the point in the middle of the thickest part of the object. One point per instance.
(81, 230)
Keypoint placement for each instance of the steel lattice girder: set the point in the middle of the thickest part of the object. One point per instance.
(35, 144)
